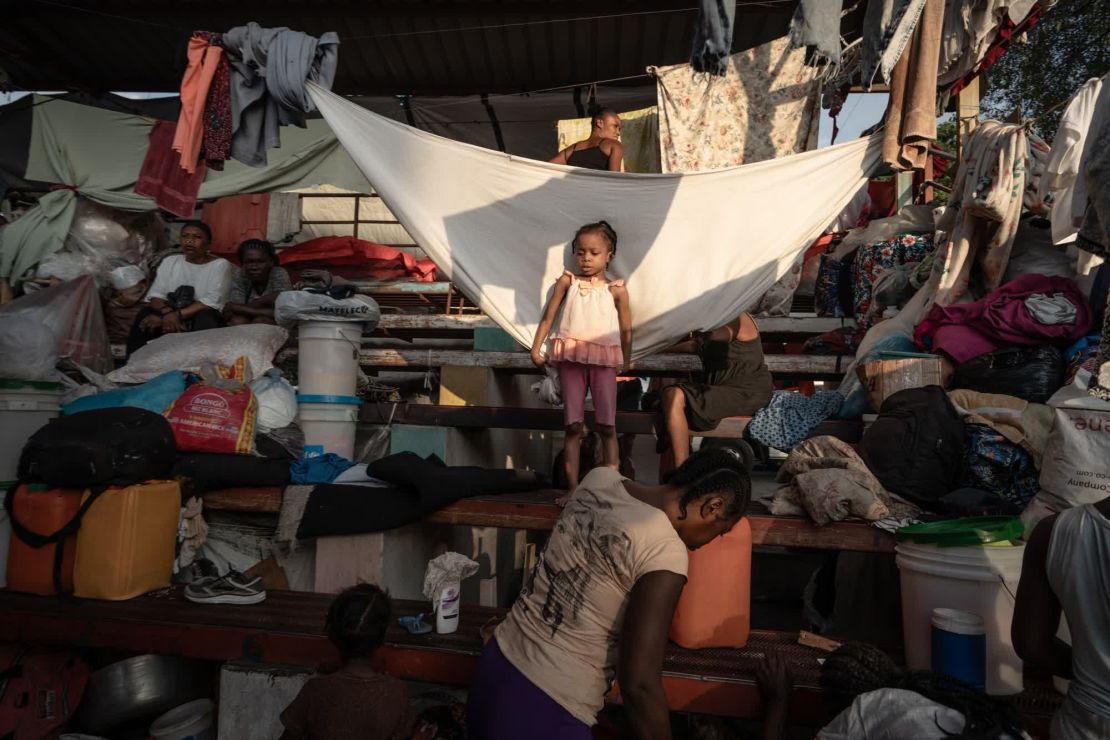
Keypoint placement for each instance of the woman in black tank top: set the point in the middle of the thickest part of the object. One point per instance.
(602, 151)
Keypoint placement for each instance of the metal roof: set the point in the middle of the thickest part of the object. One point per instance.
(392, 47)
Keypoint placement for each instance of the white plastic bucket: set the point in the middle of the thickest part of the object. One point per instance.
(192, 721)
(329, 424)
(979, 580)
(327, 357)
(25, 406)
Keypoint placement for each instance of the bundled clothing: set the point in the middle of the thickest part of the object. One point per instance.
(1002, 319)
(994, 464)
(791, 416)
(1016, 420)
(268, 84)
(825, 479)
(419, 487)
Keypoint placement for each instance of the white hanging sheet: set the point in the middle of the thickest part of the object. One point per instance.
(694, 249)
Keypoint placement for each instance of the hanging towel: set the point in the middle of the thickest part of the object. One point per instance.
(887, 28)
(816, 24)
(910, 123)
(163, 179)
(713, 36)
(695, 249)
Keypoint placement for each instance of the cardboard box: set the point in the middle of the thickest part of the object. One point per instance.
(884, 378)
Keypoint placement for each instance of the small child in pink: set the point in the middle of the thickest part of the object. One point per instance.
(593, 340)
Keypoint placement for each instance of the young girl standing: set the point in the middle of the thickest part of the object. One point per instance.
(593, 340)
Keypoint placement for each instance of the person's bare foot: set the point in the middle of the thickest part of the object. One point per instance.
(561, 501)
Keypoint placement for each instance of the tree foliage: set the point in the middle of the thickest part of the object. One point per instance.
(1070, 45)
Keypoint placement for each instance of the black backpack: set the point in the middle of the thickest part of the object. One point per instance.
(92, 449)
(916, 445)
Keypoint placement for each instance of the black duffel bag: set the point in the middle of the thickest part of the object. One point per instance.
(92, 449)
(1030, 373)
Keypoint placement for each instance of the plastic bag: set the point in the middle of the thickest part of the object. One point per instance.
(155, 396)
(100, 239)
(188, 351)
(217, 414)
(1031, 373)
(277, 401)
(294, 306)
(1073, 467)
(71, 313)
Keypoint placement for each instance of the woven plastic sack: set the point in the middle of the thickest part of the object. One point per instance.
(218, 414)
(189, 351)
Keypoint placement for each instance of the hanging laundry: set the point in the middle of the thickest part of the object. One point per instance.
(216, 141)
(910, 122)
(499, 226)
(1063, 166)
(765, 106)
(713, 36)
(283, 218)
(162, 177)
(991, 27)
(1094, 188)
(204, 61)
(791, 416)
(639, 137)
(985, 208)
(816, 25)
(1001, 319)
(268, 84)
(887, 28)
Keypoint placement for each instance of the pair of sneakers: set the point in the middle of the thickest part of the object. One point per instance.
(232, 588)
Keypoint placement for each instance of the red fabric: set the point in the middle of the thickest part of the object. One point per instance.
(1006, 35)
(355, 258)
(1000, 319)
(883, 201)
(216, 142)
(204, 61)
(235, 219)
(161, 176)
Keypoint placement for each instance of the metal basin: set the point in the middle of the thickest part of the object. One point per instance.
(141, 688)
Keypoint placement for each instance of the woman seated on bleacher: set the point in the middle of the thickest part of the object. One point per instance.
(734, 381)
(256, 284)
(600, 604)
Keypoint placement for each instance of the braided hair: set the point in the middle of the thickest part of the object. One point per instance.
(857, 668)
(717, 470)
(261, 245)
(598, 227)
(357, 621)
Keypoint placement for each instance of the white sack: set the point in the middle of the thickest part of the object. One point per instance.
(188, 351)
(1075, 468)
(694, 249)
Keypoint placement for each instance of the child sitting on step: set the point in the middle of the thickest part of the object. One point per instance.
(355, 702)
(592, 341)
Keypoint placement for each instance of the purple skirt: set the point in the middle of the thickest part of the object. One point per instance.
(504, 705)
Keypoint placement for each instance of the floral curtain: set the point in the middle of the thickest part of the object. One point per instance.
(765, 107)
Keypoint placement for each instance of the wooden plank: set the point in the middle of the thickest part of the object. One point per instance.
(537, 511)
(768, 325)
(253, 499)
(418, 360)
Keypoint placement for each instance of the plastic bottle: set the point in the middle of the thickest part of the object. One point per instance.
(447, 608)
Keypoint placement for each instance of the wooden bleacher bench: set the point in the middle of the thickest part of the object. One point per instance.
(537, 511)
(288, 629)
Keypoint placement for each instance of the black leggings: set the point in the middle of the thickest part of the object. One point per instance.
(209, 318)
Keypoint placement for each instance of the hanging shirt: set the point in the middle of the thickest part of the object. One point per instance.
(564, 629)
(1077, 556)
(211, 281)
